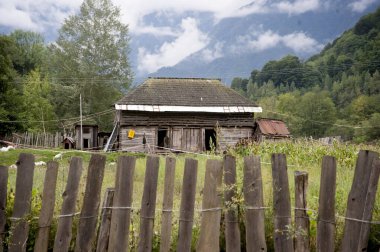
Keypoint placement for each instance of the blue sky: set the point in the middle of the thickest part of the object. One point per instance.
(180, 28)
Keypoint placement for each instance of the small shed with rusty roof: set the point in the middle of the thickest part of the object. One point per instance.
(266, 128)
(184, 114)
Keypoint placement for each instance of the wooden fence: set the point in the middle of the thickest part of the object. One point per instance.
(37, 140)
(218, 209)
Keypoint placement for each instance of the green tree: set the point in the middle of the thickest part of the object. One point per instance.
(91, 54)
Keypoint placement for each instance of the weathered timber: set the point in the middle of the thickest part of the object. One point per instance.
(326, 211)
(281, 205)
(254, 202)
(21, 208)
(186, 215)
(211, 207)
(231, 221)
(122, 203)
(361, 201)
(105, 222)
(302, 222)
(3, 203)
(86, 234)
(148, 204)
(47, 208)
(167, 205)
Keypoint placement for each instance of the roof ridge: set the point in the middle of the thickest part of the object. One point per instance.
(185, 78)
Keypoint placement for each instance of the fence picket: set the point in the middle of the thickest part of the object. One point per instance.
(361, 201)
(122, 202)
(105, 222)
(231, 221)
(326, 211)
(211, 205)
(3, 203)
(167, 205)
(64, 230)
(254, 202)
(47, 208)
(21, 208)
(301, 218)
(281, 205)
(187, 205)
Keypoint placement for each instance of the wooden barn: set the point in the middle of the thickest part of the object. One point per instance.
(270, 129)
(184, 114)
(90, 135)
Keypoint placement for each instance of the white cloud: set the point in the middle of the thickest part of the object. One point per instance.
(189, 41)
(214, 53)
(360, 5)
(297, 6)
(297, 41)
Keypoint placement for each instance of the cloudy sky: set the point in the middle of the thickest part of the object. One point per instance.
(187, 25)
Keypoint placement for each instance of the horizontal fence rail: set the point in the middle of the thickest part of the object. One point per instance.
(232, 215)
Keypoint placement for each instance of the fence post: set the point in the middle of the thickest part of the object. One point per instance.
(86, 234)
(326, 211)
(301, 218)
(122, 204)
(47, 208)
(3, 203)
(148, 204)
(231, 219)
(64, 231)
(167, 205)
(186, 215)
(21, 208)
(105, 222)
(361, 201)
(211, 207)
(281, 204)
(254, 205)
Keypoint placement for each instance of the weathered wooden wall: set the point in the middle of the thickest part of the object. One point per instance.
(136, 143)
(230, 136)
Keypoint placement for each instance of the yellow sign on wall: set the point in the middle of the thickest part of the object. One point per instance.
(131, 134)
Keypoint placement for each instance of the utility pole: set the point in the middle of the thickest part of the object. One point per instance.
(81, 122)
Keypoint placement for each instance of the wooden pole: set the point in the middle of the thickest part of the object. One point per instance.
(302, 222)
(167, 205)
(86, 234)
(254, 201)
(186, 215)
(211, 207)
(21, 208)
(47, 209)
(105, 222)
(64, 231)
(326, 211)
(3, 203)
(281, 205)
(231, 220)
(122, 203)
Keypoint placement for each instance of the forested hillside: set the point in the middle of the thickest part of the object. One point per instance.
(334, 93)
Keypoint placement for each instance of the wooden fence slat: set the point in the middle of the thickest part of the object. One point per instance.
(86, 234)
(122, 203)
(148, 204)
(211, 205)
(186, 215)
(47, 208)
(301, 218)
(326, 211)
(281, 205)
(254, 202)
(3, 203)
(64, 231)
(105, 222)
(231, 220)
(361, 201)
(167, 205)
(21, 208)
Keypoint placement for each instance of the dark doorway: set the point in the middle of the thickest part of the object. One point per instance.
(67, 146)
(210, 139)
(162, 138)
(85, 143)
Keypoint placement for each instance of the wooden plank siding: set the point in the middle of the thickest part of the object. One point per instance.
(136, 143)
(230, 136)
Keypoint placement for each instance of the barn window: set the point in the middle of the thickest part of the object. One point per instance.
(162, 137)
(86, 130)
(210, 139)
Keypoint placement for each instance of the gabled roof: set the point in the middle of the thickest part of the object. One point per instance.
(185, 94)
(273, 127)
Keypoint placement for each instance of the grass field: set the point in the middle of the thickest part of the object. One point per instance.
(302, 155)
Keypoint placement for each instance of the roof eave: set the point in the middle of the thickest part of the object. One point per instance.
(210, 109)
